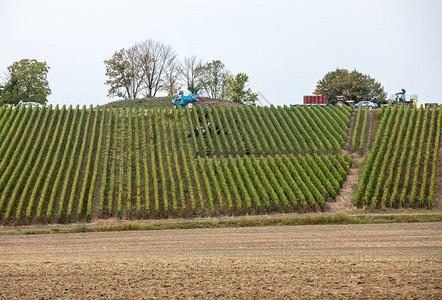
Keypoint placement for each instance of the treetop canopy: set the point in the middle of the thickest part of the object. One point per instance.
(352, 85)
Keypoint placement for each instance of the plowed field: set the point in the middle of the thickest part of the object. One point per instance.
(383, 261)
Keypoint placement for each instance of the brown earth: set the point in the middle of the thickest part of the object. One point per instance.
(380, 261)
(217, 102)
(344, 201)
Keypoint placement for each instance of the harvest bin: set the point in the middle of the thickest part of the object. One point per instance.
(319, 100)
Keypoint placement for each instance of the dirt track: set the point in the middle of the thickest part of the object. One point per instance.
(340, 261)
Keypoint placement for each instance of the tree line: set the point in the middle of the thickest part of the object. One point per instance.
(150, 67)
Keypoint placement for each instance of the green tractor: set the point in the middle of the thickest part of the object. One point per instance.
(400, 98)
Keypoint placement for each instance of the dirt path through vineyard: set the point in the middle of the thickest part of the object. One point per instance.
(323, 262)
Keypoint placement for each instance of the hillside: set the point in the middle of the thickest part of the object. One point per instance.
(401, 168)
(78, 164)
(165, 102)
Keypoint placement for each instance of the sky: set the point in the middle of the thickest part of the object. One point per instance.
(285, 47)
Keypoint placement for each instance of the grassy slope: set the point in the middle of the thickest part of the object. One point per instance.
(143, 103)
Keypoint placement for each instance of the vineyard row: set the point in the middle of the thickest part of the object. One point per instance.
(63, 165)
(402, 159)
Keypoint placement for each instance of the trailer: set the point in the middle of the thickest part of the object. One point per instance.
(323, 100)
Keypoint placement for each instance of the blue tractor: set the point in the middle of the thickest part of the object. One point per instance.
(182, 100)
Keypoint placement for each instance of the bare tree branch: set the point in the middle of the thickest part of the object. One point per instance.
(155, 59)
(172, 78)
(191, 70)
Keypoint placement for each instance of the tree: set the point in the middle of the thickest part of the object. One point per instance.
(155, 59)
(191, 70)
(352, 85)
(27, 82)
(238, 91)
(126, 77)
(10, 92)
(213, 79)
(172, 79)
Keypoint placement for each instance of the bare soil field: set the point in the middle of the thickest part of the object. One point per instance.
(380, 261)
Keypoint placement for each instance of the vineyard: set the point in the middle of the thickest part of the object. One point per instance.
(358, 140)
(400, 170)
(70, 164)
(63, 165)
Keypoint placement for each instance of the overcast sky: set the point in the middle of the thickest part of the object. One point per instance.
(284, 46)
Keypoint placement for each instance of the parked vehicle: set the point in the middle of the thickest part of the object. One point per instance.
(431, 105)
(366, 103)
(341, 101)
(31, 105)
(323, 100)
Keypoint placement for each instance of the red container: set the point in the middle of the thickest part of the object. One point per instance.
(319, 100)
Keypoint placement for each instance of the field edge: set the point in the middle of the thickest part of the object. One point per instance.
(338, 218)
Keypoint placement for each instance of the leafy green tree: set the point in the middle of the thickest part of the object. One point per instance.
(352, 85)
(125, 74)
(238, 91)
(214, 79)
(9, 93)
(27, 82)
